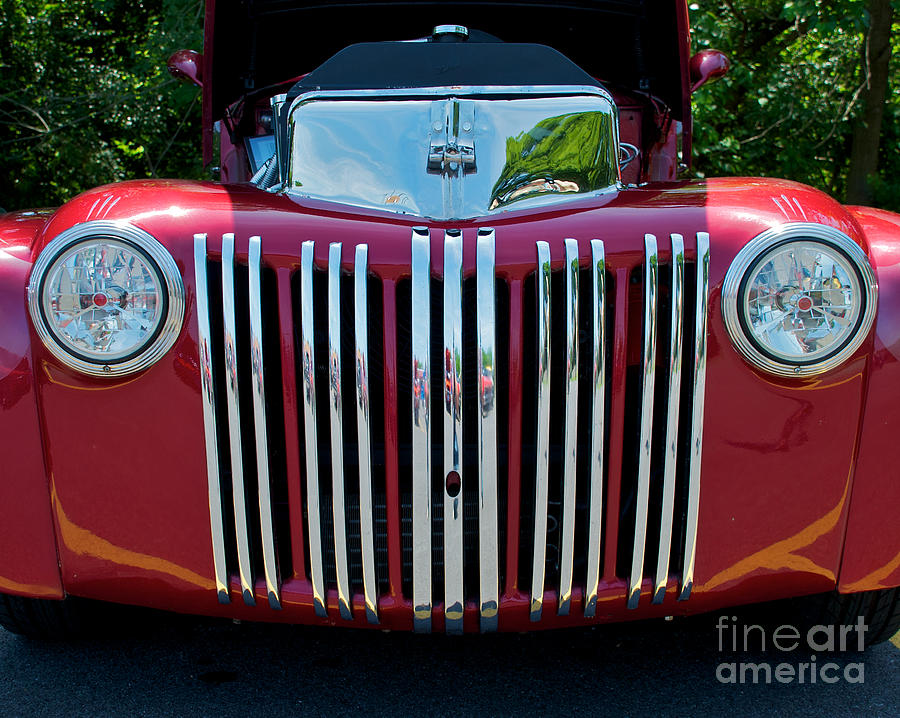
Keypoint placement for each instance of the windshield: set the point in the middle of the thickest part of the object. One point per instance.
(452, 157)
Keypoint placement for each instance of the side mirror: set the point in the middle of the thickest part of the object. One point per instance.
(187, 65)
(707, 65)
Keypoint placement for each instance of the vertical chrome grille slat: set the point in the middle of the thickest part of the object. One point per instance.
(258, 389)
(488, 451)
(543, 430)
(336, 413)
(363, 427)
(570, 441)
(672, 412)
(648, 376)
(697, 400)
(454, 600)
(210, 429)
(421, 428)
(234, 420)
(598, 423)
(307, 342)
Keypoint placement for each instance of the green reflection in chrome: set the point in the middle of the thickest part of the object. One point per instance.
(560, 155)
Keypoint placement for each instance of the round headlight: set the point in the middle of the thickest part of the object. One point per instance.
(799, 299)
(106, 298)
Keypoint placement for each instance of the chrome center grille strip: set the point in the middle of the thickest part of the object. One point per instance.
(598, 423)
(672, 414)
(364, 430)
(259, 423)
(234, 420)
(207, 389)
(421, 429)
(336, 412)
(570, 441)
(488, 450)
(648, 375)
(454, 601)
(309, 426)
(698, 395)
(543, 430)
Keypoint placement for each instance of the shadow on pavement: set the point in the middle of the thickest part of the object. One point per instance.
(179, 667)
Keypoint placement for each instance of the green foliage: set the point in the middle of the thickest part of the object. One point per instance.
(787, 107)
(559, 149)
(85, 97)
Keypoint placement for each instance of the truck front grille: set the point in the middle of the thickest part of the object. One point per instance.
(452, 439)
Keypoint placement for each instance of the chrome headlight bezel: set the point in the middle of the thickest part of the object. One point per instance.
(157, 258)
(735, 286)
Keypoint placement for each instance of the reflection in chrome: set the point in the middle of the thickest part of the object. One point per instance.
(567, 534)
(698, 398)
(336, 411)
(364, 431)
(421, 428)
(536, 146)
(488, 451)
(259, 422)
(673, 402)
(598, 423)
(307, 344)
(627, 154)
(453, 431)
(543, 430)
(210, 431)
(234, 420)
(648, 382)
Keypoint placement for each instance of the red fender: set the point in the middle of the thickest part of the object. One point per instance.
(30, 565)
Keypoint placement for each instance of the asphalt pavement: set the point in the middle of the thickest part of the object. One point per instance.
(182, 668)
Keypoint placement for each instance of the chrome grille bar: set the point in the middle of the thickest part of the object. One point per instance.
(204, 335)
(488, 450)
(421, 428)
(570, 444)
(598, 423)
(453, 432)
(648, 384)
(698, 398)
(307, 343)
(363, 429)
(259, 423)
(543, 430)
(336, 411)
(234, 420)
(673, 402)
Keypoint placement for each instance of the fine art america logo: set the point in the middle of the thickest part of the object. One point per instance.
(806, 667)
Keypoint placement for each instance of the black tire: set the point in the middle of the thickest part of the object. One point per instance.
(43, 618)
(880, 611)
(80, 618)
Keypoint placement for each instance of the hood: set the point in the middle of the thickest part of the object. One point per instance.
(639, 45)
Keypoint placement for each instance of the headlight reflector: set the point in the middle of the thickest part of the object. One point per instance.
(103, 299)
(106, 298)
(799, 299)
